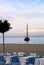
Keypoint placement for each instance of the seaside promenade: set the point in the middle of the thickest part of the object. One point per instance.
(27, 48)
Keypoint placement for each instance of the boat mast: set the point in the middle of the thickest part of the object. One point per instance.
(27, 30)
(27, 38)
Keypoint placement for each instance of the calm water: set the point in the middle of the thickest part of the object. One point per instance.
(20, 40)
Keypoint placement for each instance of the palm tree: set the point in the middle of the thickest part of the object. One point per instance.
(4, 27)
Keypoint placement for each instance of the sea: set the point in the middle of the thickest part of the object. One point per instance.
(20, 40)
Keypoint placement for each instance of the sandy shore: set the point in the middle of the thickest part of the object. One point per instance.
(27, 48)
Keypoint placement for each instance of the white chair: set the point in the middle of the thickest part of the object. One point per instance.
(33, 54)
(21, 53)
(14, 53)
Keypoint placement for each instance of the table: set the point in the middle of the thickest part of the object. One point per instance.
(23, 59)
(38, 61)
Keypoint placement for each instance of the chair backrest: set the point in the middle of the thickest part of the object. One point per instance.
(21, 53)
(2, 59)
(33, 54)
(14, 53)
(15, 59)
(30, 61)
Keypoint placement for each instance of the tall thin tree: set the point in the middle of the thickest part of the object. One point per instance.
(4, 27)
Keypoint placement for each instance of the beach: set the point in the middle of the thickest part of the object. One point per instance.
(27, 48)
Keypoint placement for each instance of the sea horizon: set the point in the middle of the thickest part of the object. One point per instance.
(20, 40)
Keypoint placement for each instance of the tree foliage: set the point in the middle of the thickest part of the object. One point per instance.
(4, 26)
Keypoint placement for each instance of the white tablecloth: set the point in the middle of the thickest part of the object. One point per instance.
(38, 61)
(8, 59)
(23, 59)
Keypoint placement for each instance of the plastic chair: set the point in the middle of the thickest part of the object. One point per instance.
(2, 60)
(15, 60)
(21, 54)
(30, 61)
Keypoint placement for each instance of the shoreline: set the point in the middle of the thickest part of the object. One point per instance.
(27, 48)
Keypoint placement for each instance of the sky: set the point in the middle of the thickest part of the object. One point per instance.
(19, 13)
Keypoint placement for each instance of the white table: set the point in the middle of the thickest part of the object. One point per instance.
(23, 59)
(8, 59)
(38, 61)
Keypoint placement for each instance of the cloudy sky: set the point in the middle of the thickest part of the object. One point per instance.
(20, 12)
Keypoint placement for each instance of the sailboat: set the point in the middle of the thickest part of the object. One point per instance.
(27, 38)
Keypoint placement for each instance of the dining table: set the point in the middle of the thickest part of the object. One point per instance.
(38, 61)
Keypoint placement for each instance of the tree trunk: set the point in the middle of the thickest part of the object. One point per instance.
(3, 44)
